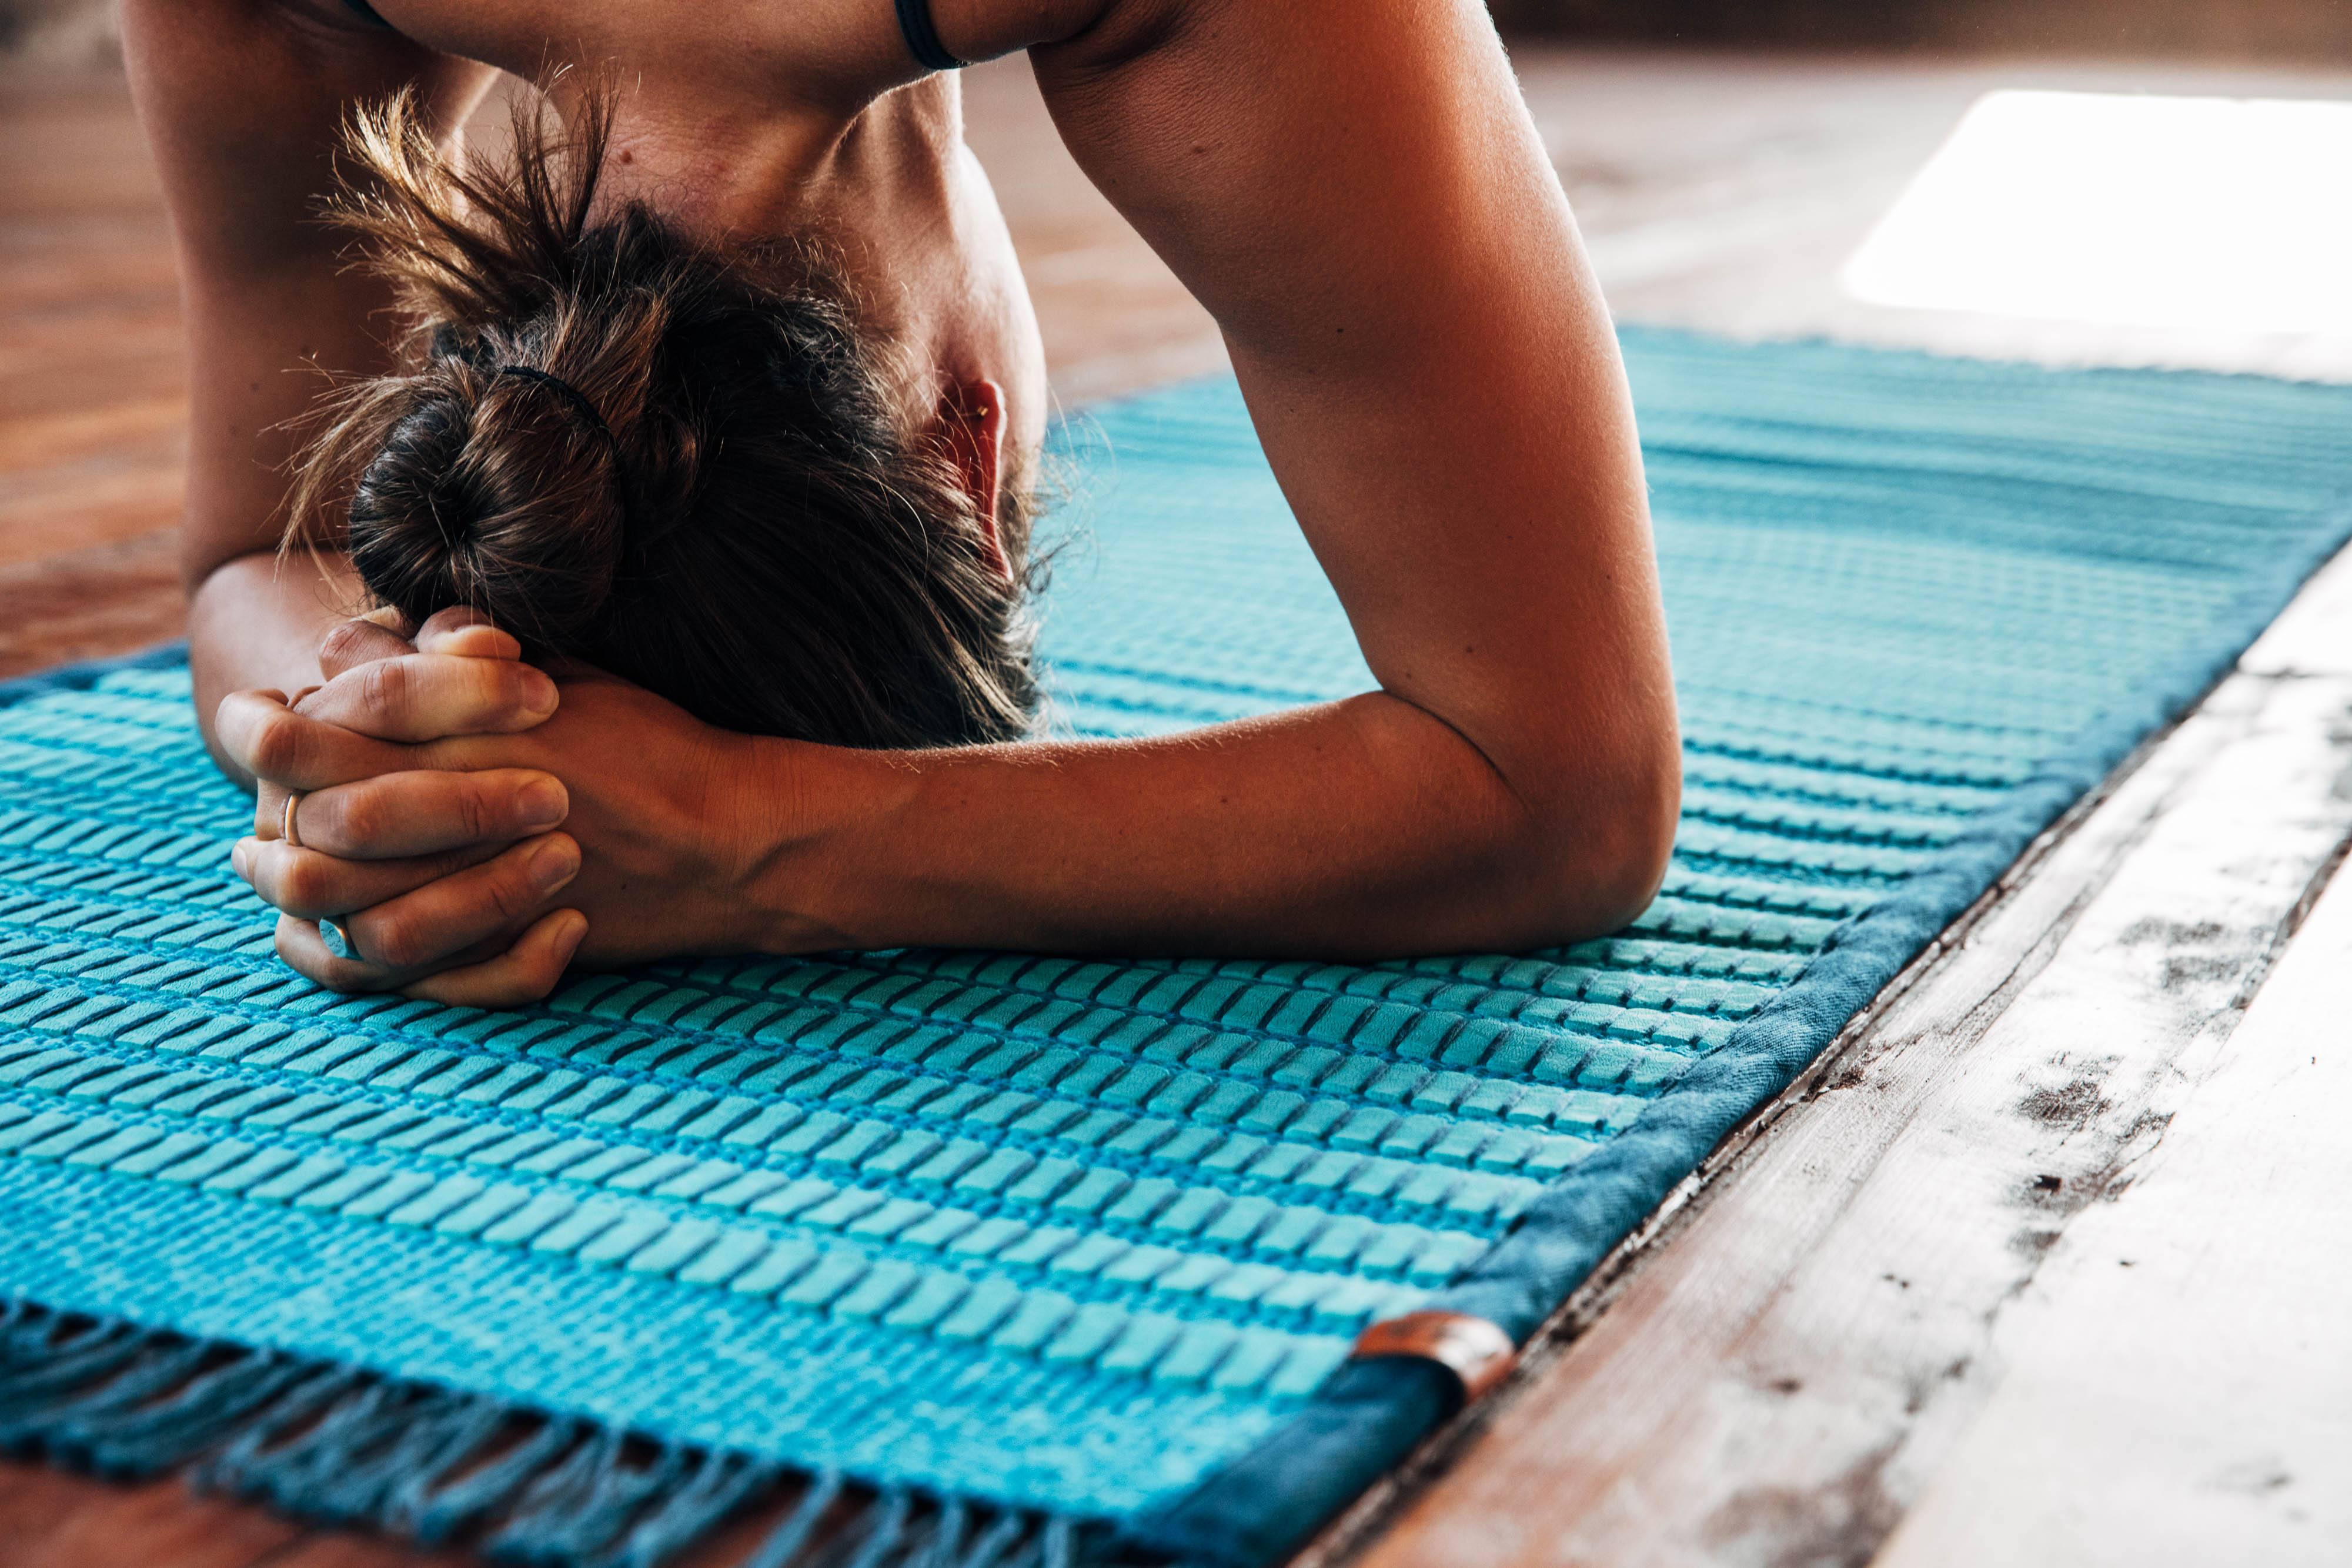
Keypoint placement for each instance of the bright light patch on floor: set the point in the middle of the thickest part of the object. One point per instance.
(2224, 213)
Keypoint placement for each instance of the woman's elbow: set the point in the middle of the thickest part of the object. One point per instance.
(1600, 845)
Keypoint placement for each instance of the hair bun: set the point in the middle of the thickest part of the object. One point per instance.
(487, 492)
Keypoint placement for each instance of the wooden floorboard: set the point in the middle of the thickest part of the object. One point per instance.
(93, 390)
(1721, 191)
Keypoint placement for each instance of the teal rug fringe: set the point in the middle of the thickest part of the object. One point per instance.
(1022, 1261)
(340, 1447)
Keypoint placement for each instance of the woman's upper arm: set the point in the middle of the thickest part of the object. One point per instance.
(1356, 192)
(242, 102)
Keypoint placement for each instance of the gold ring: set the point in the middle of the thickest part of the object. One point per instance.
(286, 820)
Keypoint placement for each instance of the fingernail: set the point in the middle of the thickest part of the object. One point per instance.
(237, 855)
(543, 804)
(553, 862)
(571, 934)
(539, 695)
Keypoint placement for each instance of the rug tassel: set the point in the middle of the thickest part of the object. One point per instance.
(785, 1542)
(545, 1522)
(117, 1438)
(395, 1448)
(576, 1513)
(98, 1378)
(885, 1527)
(946, 1543)
(995, 1543)
(720, 1481)
(436, 1514)
(40, 1364)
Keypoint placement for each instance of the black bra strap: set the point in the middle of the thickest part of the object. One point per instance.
(922, 38)
(366, 12)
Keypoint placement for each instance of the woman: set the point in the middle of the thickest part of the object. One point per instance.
(1355, 192)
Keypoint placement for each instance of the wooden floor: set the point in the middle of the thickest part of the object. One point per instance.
(1885, 1324)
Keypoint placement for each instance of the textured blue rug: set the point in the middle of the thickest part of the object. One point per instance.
(1048, 1255)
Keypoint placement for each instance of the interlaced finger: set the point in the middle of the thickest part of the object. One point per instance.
(423, 812)
(454, 915)
(308, 885)
(417, 698)
(297, 751)
(523, 974)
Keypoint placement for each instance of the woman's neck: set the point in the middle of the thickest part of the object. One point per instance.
(888, 190)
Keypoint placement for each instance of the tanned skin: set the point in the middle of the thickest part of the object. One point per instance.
(1353, 189)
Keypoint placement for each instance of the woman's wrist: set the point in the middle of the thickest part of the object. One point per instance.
(811, 823)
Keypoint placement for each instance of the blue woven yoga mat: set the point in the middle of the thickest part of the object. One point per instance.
(1054, 1254)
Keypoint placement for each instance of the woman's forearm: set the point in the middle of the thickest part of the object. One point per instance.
(1355, 829)
(256, 621)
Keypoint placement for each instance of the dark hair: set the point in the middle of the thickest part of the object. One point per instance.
(678, 466)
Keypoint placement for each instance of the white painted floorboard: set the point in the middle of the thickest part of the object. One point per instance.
(2178, 1377)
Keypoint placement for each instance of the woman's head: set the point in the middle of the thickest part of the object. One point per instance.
(681, 467)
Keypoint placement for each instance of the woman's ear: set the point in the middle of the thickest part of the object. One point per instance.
(971, 428)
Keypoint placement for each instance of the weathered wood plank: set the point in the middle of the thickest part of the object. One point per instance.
(1778, 1380)
(2176, 1381)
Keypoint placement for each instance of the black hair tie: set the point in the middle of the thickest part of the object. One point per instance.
(923, 38)
(572, 396)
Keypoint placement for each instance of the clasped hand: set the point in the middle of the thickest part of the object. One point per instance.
(472, 826)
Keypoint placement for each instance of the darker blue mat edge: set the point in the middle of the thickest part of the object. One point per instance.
(1371, 1414)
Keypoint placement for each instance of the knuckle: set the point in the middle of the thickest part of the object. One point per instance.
(481, 807)
(344, 642)
(395, 941)
(353, 819)
(277, 744)
(500, 682)
(305, 881)
(387, 689)
(511, 895)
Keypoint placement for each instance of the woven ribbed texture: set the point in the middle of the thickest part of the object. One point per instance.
(1075, 1234)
